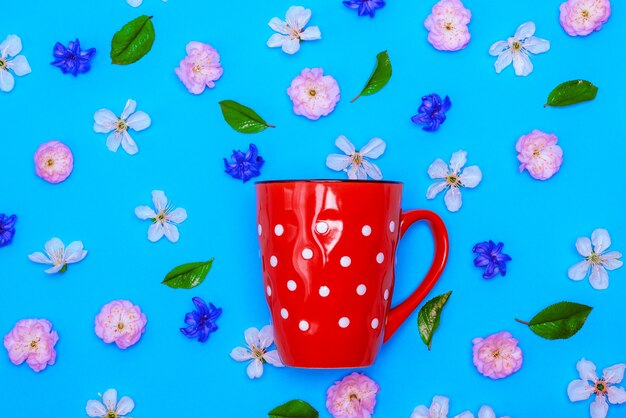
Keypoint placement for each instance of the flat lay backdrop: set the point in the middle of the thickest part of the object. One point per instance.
(169, 375)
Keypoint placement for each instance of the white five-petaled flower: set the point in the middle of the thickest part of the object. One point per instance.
(258, 342)
(163, 218)
(291, 33)
(58, 255)
(454, 178)
(106, 121)
(517, 48)
(355, 162)
(596, 259)
(10, 47)
(439, 409)
(589, 384)
(110, 407)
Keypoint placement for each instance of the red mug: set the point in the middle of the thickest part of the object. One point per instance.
(328, 249)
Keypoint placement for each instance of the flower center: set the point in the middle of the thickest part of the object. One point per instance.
(585, 14)
(50, 162)
(258, 353)
(448, 26)
(197, 68)
(111, 414)
(516, 46)
(161, 217)
(312, 93)
(3, 64)
(120, 326)
(594, 258)
(33, 344)
(295, 33)
(453, 180)
(600, 388)
(357, 158)
(121, 125)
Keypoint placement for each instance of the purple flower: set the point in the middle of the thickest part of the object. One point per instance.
(491, 257)
(7, 229)
(366, 7)
(201, 322)
(71, 59)
(432, 112)
(244, 166)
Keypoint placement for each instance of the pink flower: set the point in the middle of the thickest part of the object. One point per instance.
(448, 25)
(581, 17)
(498, 355)
(539, 154)
(313, 94)
(200, 68)
(352, 397)
(32, 340)
(54, 161)
(120, 322)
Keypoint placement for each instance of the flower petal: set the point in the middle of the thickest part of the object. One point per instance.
(420, 412)
(129, 145)
(113, 141)
(579, 270)
(536, 45)
(279, 26)
(464, 414)
(601, 240)
(255, 369)
(19, 65)
(438, 169)
(155, 232)
(372, 170)
(525, 30)
(125, 406)
(453, 199)
(55, 269)
(617, 395)
(171, 232)
(435, 189)
(139, 121)
(345, 145)
(297, 17)
(311, 33)
(39, 257)
(614, 374)
(291, 46)
(134, 3)
(504, 60)
(272, 358)
(251, 335)
(266, 336)
(53, 246)
(522, 64)
(486, 412)
(74, 252)
(583, 246)
(579, 390)
(586, 370)
(374, 148)
(177, 215)
(129, 108)
(338, 162)
(105, 121)
(95, 409)
(471, 177)
(498, 48)
(11, 46)
(109, 398)
(145, 212)
(159, 200)
(439, 407)
(611, 261)
(7, 82)
(599, 408)
(458, 160)
(277, 40)
(241, 354)
(599, 278)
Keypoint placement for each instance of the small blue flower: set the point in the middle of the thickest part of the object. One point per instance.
(71, 59)
(201, 322)
(432, 112)
(7, 229)
(366, 7)
(244, 166)
(491, 257)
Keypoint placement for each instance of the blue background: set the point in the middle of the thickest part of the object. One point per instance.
(181, 153)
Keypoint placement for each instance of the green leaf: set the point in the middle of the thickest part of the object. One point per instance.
(243, 119)
(187, 276)
(559, 321)
(133, 41)
(428, 317)
(380, 76)
(572, 92)
(294, 409)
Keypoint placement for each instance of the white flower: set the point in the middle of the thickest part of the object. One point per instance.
(163, 218)
(517, 48)
(454, 179)
(596, 259)
(59, 256)
(290, 33)
(10, 47)
(137, 3)
(109, 407)
(106, 121)
(355, 163)
(258, 342)
(579, 390)
(439, 409)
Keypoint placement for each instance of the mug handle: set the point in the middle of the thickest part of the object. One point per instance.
(401, 312)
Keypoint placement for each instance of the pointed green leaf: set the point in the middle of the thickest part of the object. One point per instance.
(243, 119)
(187, 276)
(572, 92)
(294, 409)
(380, 76)
(133, 41)
(428, 317)
(560, 321)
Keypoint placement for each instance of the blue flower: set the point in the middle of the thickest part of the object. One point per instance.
(244, 166)
(366, 7)
(7, 229)
(492, 258)
(201, 322)
(432, 112)
(71, 59)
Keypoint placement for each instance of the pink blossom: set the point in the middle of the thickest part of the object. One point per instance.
(54, 161)
(200, 68)
(539, 154)
(352, 397)
(120, 322)
(448, 25)
(313, 94)
(581, 17)
(497, 356)
(32, 340)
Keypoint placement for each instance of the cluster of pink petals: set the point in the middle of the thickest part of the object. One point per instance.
(32, 341)
(448, 25)
(581, 17)
(539, 154)
(200, 68)
(120, 322)
(313, 94)
(498, 355)
(352, 397)
(54, 161)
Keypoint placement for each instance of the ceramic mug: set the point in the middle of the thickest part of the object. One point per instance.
(328, 249)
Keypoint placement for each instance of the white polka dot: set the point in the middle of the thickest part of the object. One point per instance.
(259, 229)
(345, 261)
(380, 257)
(307, 254)
(273, 261)
(344, 322)
(278, 230)
(361, 289)
(386, 294)
(324, 291)
(268, 289)
(284, 313)
(375, 323)
(321, 227)
(303, 325)
(291, 285)
(366, 230)
(392, 226)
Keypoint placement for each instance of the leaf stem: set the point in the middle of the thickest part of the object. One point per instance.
(353, 100)
(270, 125)
(522, 322)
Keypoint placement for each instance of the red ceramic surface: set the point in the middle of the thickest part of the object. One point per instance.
(328, 250)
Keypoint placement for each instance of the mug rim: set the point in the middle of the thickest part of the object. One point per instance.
(326, 181)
